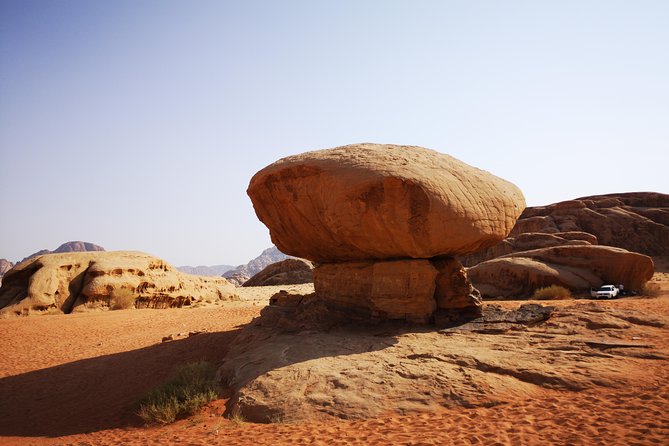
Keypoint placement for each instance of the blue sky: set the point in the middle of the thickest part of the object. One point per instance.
(138, 124)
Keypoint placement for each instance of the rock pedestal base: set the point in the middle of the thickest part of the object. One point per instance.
(406, 289)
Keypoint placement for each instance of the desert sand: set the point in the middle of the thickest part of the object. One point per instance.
(72, 379)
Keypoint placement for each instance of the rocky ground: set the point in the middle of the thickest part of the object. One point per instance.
(72, 379)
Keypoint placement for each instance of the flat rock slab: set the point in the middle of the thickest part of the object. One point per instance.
(279, 374)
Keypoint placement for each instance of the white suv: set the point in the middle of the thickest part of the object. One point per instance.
(606, 292)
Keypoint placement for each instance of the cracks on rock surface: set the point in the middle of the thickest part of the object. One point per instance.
(528, 376)
(78, 282)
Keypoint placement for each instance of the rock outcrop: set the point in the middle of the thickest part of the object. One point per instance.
(527, 242)
(577, 268)
(285, 272)
(278, 369)
(75, 246)
(637, 221)
(384, 222)
(242, 273)
(83, 280)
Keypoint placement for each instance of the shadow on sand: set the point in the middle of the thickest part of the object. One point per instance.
(97, 393)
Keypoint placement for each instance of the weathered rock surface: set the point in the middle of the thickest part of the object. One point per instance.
(237, 278)
(527, 242)
(82, 280)
(400, 289)
(74, 246)
(242, 273)
(375, 201)
(637, 221)
(453, 290)
(412, 290)
(285, 272)
(361, 372)
(577, 268)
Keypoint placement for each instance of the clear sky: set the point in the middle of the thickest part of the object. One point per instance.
(138, 124)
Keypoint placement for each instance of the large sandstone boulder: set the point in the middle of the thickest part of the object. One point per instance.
(285, 272)
(81, 280)
(637, 221)
(376, 201)
(578, 268)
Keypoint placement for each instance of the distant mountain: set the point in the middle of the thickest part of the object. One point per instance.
(242, 273)
(202, 270)
(75, 246)
(5, 265)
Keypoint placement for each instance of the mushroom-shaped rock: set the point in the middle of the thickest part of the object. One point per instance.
(378, 201)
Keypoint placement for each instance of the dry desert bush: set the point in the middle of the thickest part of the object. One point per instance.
(236, 416)
(193, 386)
(651, 289)
(123, 299)
(553, 292)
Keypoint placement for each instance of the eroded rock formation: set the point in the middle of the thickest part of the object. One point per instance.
(384, 222)
(529, 241)
(577, 268)
(82, 280)
(285, 272)
(637, 221)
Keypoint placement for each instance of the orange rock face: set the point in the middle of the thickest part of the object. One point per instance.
(453, 290)
(374, 201)
(637, 221)
(401, 289)
(526, 242)
(575, 267)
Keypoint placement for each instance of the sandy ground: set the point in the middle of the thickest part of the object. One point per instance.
(72, 379)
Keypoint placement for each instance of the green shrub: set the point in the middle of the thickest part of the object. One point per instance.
(553, 292)
(193, 386)
(122, 299)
